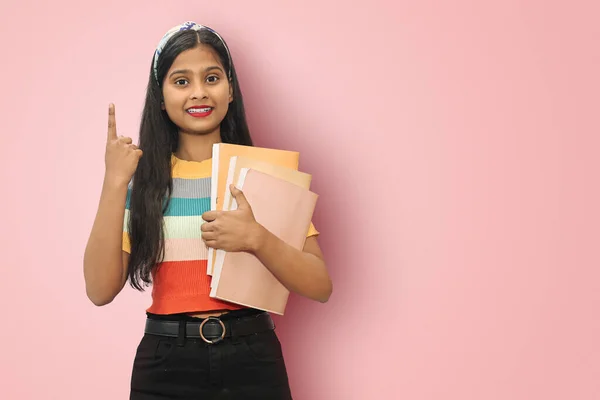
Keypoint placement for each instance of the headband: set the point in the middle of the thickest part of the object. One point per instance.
(189, 25)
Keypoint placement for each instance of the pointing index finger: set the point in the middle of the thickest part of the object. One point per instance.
(112, 124)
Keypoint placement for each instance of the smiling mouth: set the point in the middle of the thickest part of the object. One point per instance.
(199, 111)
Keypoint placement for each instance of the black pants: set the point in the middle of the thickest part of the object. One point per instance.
(247, 367)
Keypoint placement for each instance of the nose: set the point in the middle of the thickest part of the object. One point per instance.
(198, 91)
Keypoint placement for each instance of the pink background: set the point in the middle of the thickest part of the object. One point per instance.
(455, 149)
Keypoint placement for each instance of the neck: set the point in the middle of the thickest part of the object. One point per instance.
(196, 147)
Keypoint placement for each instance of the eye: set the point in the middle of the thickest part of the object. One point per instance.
(212, 79)
(178, 81)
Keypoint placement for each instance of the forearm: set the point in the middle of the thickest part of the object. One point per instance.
(102, 263)
(299, 271)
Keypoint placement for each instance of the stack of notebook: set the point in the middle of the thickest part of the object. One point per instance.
(281, 201)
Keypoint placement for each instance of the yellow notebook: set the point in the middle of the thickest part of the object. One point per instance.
(221, 155)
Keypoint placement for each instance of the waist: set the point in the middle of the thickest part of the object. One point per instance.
(211, 329)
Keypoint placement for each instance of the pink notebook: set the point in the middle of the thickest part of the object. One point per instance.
(286, 210)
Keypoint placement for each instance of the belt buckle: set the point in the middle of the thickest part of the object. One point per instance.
(217, 340)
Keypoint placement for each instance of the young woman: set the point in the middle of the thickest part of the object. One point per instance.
(154, 226)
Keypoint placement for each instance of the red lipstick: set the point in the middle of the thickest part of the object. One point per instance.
(200, 111)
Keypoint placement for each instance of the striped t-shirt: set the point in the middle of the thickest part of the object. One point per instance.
(181, 284)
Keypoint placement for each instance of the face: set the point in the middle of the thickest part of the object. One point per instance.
(197, 92)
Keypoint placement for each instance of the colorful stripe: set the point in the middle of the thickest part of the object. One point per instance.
(191, 188)
(181, 287)
(176, 227)
(179, 207)
(187, 207)
(185, 250)
(184, 189)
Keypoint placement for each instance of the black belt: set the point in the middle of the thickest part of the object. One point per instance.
(212, 329)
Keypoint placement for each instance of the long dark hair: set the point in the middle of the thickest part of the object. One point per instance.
(159, 138)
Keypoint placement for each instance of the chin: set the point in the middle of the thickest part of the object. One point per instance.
(198, 130)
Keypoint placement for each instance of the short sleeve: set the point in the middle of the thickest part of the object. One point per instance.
(126, 244)
(312, 231)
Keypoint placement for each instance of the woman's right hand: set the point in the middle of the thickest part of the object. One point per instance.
(122, 156)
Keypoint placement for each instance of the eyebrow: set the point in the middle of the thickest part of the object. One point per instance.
(187, 71)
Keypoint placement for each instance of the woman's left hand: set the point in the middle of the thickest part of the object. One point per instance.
(231, 231)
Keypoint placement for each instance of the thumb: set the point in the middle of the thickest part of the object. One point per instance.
(239, 197)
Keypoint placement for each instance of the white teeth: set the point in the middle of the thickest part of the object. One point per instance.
(199, 110)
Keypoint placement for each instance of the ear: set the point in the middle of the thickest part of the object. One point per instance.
(162, 105)
(230, 91)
